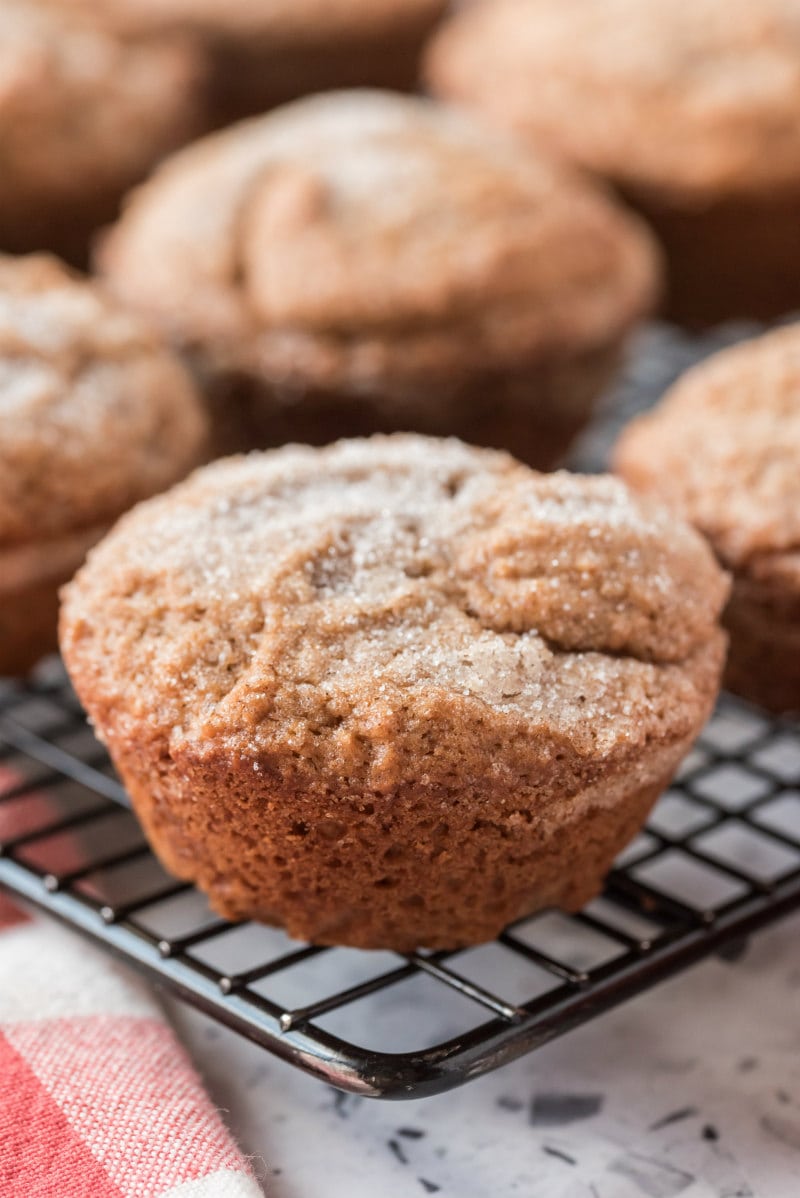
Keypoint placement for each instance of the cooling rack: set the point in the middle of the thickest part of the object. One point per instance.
(719, 858)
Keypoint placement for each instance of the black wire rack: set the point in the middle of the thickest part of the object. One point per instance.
(719, 858)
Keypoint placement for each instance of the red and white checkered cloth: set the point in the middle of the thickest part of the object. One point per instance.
(97, 1098)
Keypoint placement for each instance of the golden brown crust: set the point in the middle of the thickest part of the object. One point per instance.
(365, 240)
(689, 99)
(418, 631)
(739, 483)
(82, 115)
(96, 412)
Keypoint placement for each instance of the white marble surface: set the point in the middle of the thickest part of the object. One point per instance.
(692, 1089)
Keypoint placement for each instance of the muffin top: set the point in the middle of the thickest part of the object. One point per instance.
(79, 109)
(290, 21)
(340, 604)
(362, 234)
(95, 412)
(687, 97)
(723, 447)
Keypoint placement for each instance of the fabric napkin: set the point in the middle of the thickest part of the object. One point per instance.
(97, 1097)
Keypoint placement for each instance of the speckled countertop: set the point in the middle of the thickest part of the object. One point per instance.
(692, 1089)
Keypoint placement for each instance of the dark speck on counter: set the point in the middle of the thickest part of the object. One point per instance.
(555, 1110)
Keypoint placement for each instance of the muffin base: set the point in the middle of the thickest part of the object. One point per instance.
(764, 658)
(249, 80)
(535, 413)
(28, 623)
(729, 259)
(64, 228)
(30, 579)
(413, 866)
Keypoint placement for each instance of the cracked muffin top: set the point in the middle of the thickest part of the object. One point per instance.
(82, 111)
(291, 21)
(689, 97)
(96, 413)
(342, 604)
(362, 233)
(723, 448)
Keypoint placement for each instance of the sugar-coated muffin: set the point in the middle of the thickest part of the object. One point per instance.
(688, 107)
(363, 262)
(723, 449)
(397, 691)
(83, 116)
(267, 53)
(96, 414)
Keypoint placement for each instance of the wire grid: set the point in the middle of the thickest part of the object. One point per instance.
(720, 857)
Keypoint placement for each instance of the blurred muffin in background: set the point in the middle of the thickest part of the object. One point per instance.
(364, 262)
(723, 449)
(96, 414)
(83, 116)
(690, 108)
(277, 50)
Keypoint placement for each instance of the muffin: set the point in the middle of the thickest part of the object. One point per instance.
(688, 108)
(82, 118)
(397, 691)
(723, 449)
(361, 262)
(267, 53)
(96, 414)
